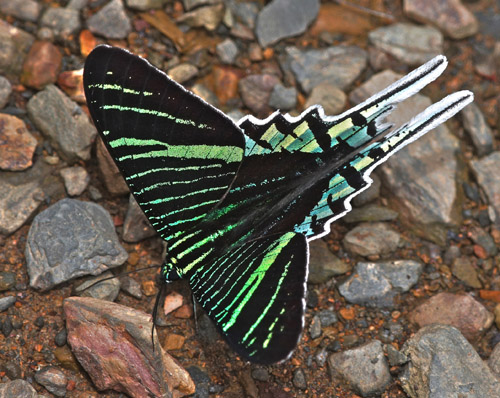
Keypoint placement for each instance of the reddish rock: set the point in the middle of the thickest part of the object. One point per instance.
(17, 145)
(185, 311)
(172, 302)
(461, 311)
(255, 91)
(226, 83)
(174, 342)
(42, 65)
(113, 344)
(109, 172)
(71, 82)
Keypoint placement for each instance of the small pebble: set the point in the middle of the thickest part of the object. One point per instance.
(299, 379)
(260, 374)
(60, 338)
(39, 322)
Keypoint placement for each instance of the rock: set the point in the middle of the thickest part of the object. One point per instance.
(479, 131)
(136, 226)
(410, 44)
(42, 65)
(246, 12)
(71, 239)
(323, 264)
(461, 311)
(6, 302)
(17, 388)
(14, 46)
(299, 379)
(63, 122)
(190, 4)
(111, 21)
(395, 357)
(283, 98)
(338, 65)
(484, 239)
(201, 380)
(71, 82)
(370, 213)
(330, 97)
(53, 380)
(75, 179)
(173, 301)
(285, 18)
(260, 374)
(364, 368)
(106, 290)
(488, 178)
(494, 360)
(17, 144)
(371, 239)
(113, 344)
(450, 16)
(174, 342)
(226, 81)
(315, 327)
(5, 91)
(369, 194)
(17, 204)
(109, 172)
(27, 10)
(227, 51)
(255, 92)
(442, 363)
(497, 315)
(130, 286)
(61, 338)
(64, 22)
(7, 280)
(463, 269)
(377, 284)
(144, 5)
(208, 17)
(183, 72)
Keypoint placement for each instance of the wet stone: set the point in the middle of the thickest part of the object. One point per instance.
(410, 44)
(227, 51)
(183, 72)
(17, 388)
(463, 269)
(42, 65)
(371, 239)
(283, 98)
(27, 10)
(299, 379)
(111, 21)
(71, 239)
(460, 311)
(14, 46)
(144, 5)
(64, 22)
(370, 213)
(450, 16)
(256, 90)
(53, 380)
(136, 226)
(5, 91)
(76, 180)
(130, 286)
(323, 264)
(377, 284)
(6, 302)
(338, 65)
(106, 290)
(17, 144)
(364, 368)
(479, 131)
(330, 97)
(442, 362)
(208, 17)
(284, 18)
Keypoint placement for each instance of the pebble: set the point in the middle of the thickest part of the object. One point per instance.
(71, 239)
(172, 301)
(395, 357)
(299, 379)
(494, 360)
(15, 46)
(136, 226)
(442, 363)
(327, 318)
(64, 22)
(377, 284)
(111, 21)
(26, 10)
(5, 91)
(130, 286)
(76, 180)
(105, 333)
(6, 326)
(6, 302)
(190, 4)
(329, 96)
(365, 368)
(283, 98)
(488, 178)
(53, 379)
(450, 16)
(39, 322)
(260, 374)
(17, 388)
(484, 239)
(323, 264)
(42, 65)
(280, 19)
(13, 371)
(205, 93)
(227, 51)
(255, 91)
(315, 327)
(208, 17)
(461, 311)
(144, 5)
(183, 72)
(61, 338)
(463, 270)
(71, 82)
(60, 119)
(66, 358)
(479, 131)
(370, 213)
(17, 144)
(337, 65)
(245, 11)
(7, 280)
(106, 290)
(371, 239)
(173, 342)
(408, 43)
(108, 171)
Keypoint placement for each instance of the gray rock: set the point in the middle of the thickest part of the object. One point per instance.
(444, 364)
(14, 46)
(190, 4)
(77, 4)
(489, 22)
(488, 178)
(136, 226)
(183, 72)
(330, 97)
(17, 204)
(130, 286)
(246, 11)
(494, 360)
(338, 65)
(227, 51)
(323, 264)
(327, 318)
(464, 270)
(479, 131)
(63, 121)
(410, 44)
(395, 357)
(208, 17)
(377, 284)
(206, 94)
(283, 98)
(284, 18)
(53, 380)
(484, 239)
(371, 239)
(17, 388)
(6, 302)
(71, 239)
(299, 379)
(106, 290)
(7, 280)
(5, 91)
(370, 213)
(364, 368)
(255, 91)
(111, 21)
(370, 194)
(260, 374)
(75, 179)
(62, 21)
(27, 10)
(144, 5)
(315, 327)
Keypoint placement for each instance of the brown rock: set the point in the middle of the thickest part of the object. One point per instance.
(109, 172)
(42, 65)
(208, 17)
(71, 82)
(174, 342)
(255, 91)
(14, 45)
(463, 269)
(461, 311)
(185, 311)
(17, 145)
(113, 344)
(226, 81)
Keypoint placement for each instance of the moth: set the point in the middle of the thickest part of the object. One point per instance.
(238, 203)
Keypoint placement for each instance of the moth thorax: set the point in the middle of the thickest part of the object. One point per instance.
(169, 272)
